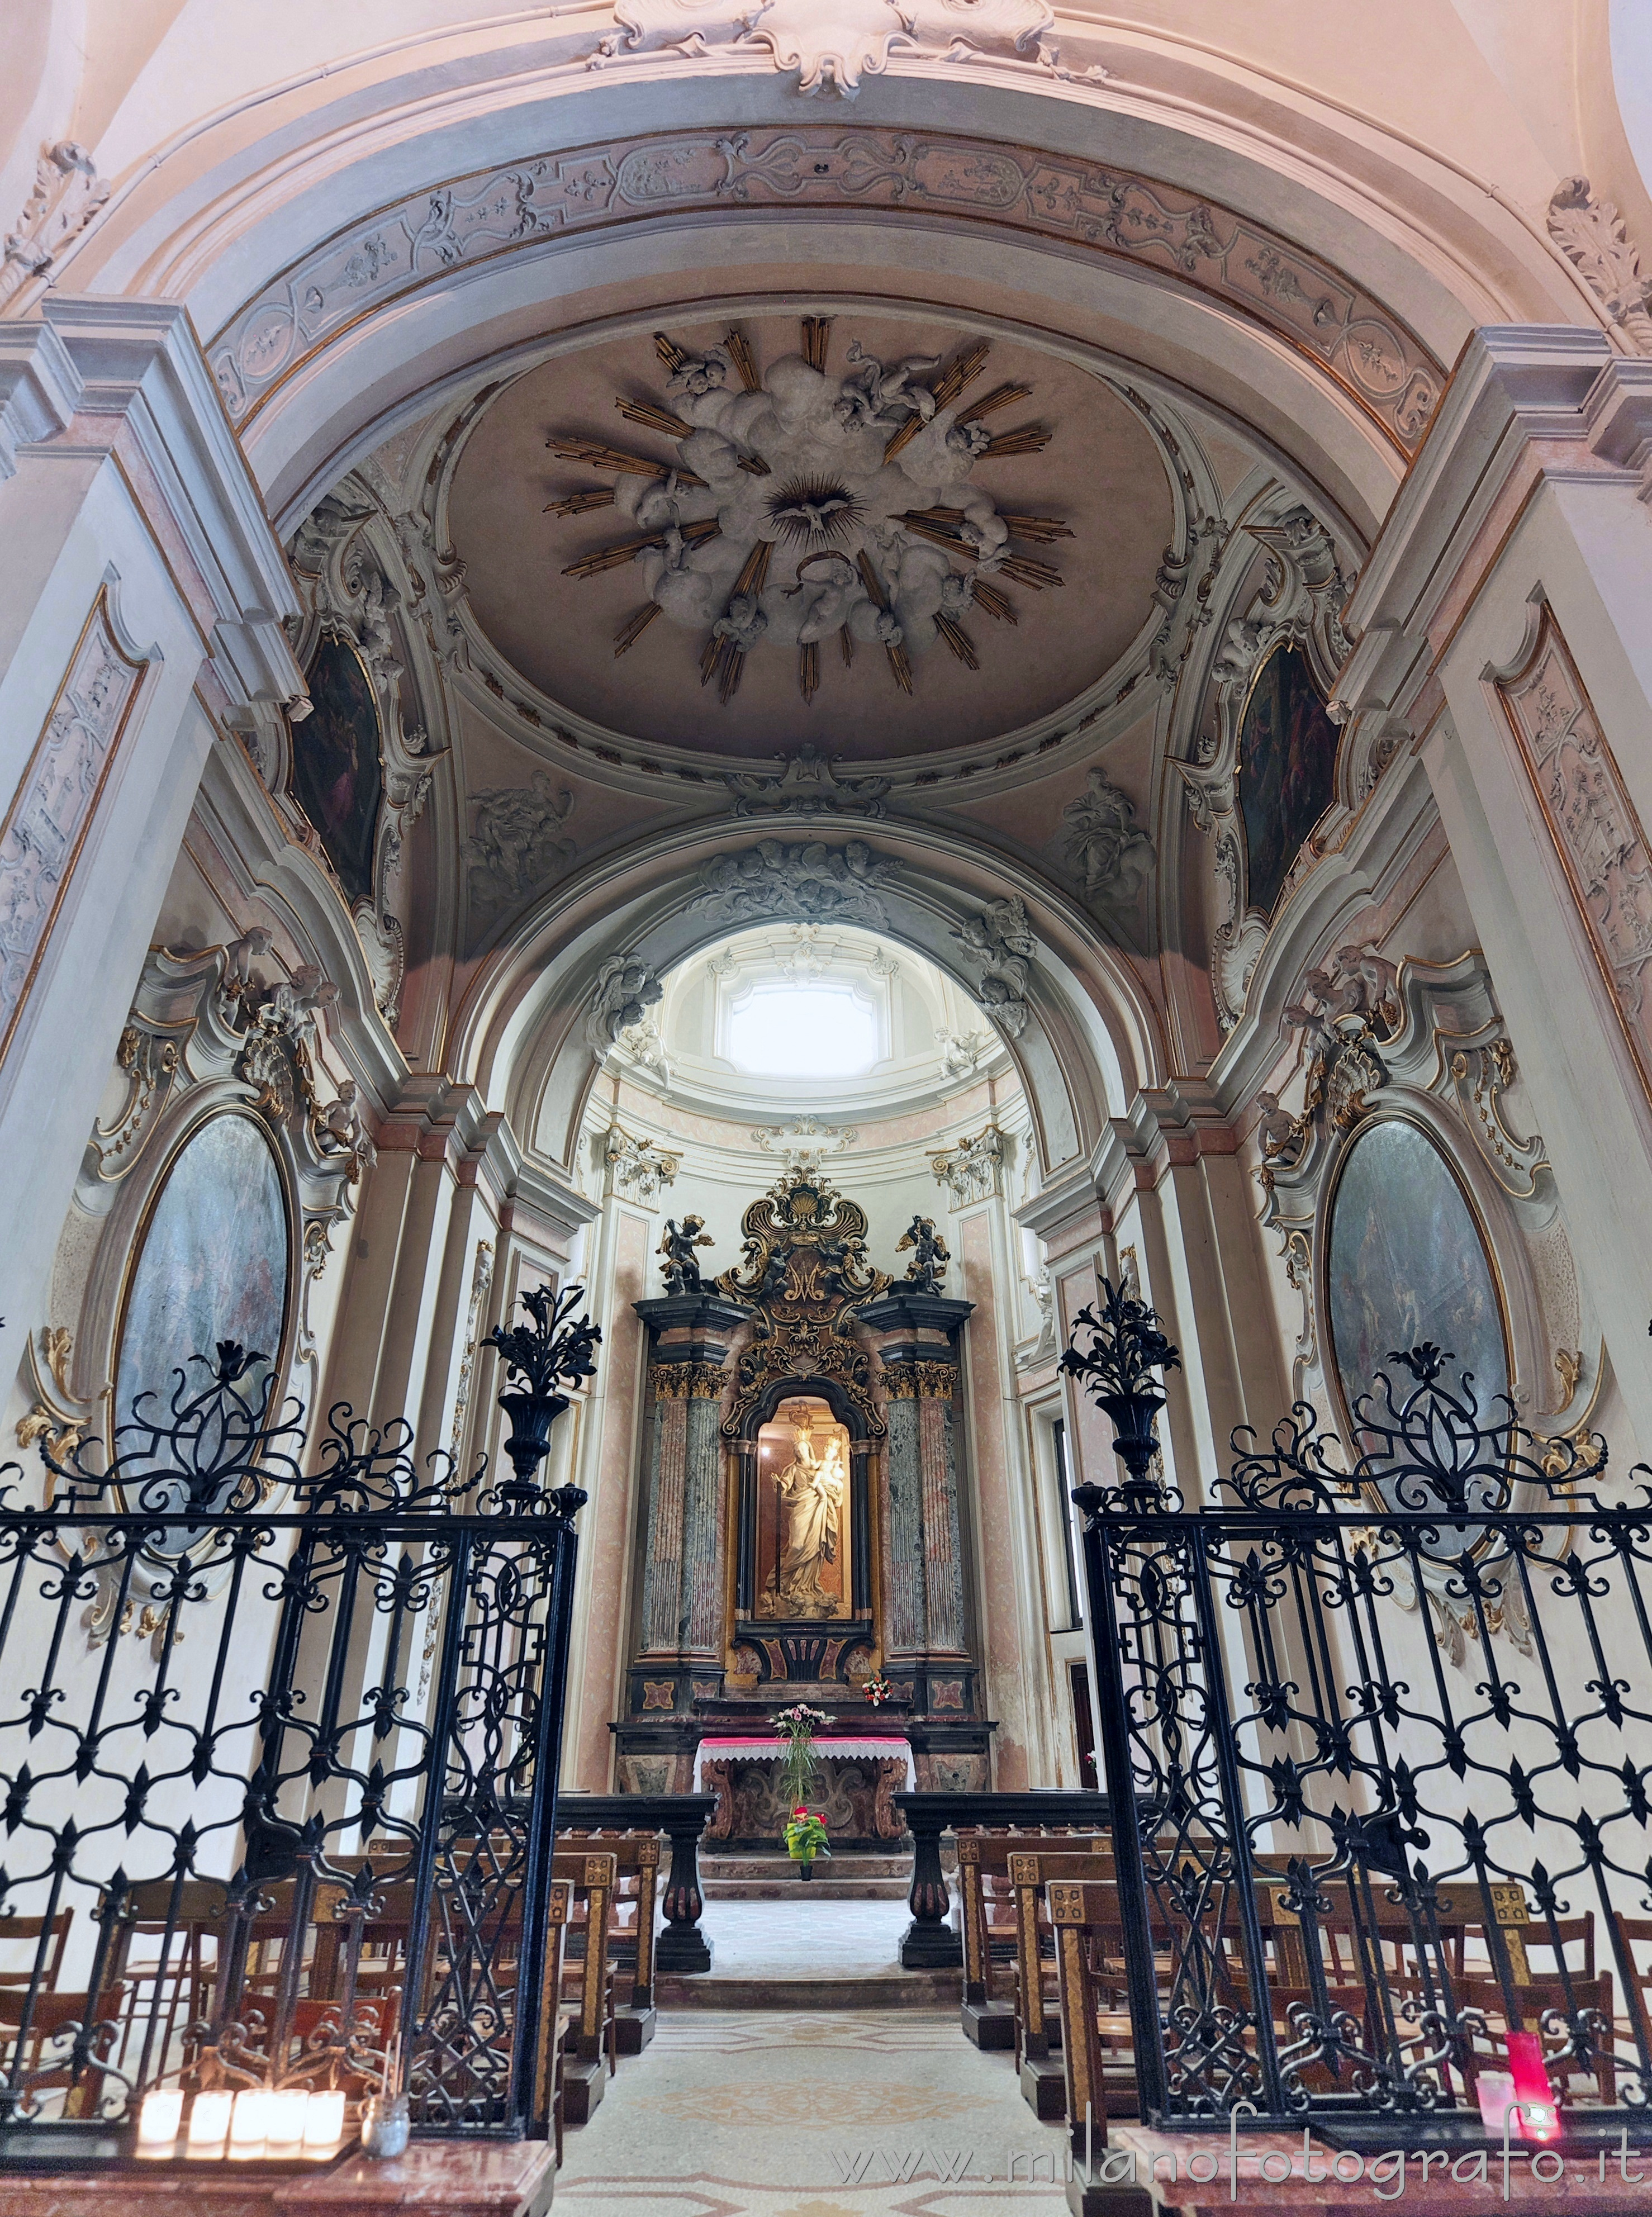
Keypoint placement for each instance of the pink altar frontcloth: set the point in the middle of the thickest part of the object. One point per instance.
(770, 1748)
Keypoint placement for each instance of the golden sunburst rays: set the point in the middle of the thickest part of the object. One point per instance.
(961, 372)
(895, 649)
(941, 526)
(581, 503)
(815, 515)
(724, 657)
(612, 558)
(634, 627)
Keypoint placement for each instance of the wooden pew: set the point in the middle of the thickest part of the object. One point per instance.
(636, 1856)
(1042, 2075)
(1098, 2066)
(592, 1876)
(986, 2020)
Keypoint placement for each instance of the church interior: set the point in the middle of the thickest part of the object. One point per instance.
(825, 1069)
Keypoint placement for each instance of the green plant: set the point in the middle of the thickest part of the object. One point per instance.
(806, 1834)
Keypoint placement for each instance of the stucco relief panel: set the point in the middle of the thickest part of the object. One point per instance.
(417, 241)
(49, 819)
(1596, 832)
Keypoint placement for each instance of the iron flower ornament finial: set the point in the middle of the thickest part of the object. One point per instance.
(556, 1350)
(1127, 1346)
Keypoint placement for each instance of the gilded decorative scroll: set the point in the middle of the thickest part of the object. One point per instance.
(804, 1273)
(423, 239)
(42, 836)
(1598, 835)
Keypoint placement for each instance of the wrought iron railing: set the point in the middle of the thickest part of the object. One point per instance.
(1377, 1731)
(280, 1725)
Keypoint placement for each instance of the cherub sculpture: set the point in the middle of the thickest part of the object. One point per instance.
(929, 1256)
(681, 1268)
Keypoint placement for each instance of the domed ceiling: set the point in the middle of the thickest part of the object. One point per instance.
(880, 535)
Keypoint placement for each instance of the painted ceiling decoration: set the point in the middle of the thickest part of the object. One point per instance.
(806, 509)
(440, 229)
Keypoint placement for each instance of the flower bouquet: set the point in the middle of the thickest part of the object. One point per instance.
(797, 1724)
(877, 1689)
(805, 1837)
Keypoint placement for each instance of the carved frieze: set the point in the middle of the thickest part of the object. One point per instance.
(1598, 834)
(1591, 234)
(57, 798)
(433, 233)
(811, 881)
(67, 193)
(808, 784)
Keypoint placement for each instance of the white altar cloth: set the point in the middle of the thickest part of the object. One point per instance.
(770, 1748)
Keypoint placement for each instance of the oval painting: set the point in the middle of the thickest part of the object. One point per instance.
(1406, 1263)
(213, 1265)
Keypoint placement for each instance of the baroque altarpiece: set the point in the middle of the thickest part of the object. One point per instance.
(803, 1531)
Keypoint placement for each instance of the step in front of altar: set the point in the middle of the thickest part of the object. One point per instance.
(805, 1989)
(848, 1876)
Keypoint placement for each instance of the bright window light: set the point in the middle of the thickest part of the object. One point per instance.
(803, 1031)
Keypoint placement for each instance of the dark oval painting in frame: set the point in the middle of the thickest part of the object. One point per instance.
(1286, 770)
(1406, 1262)
(338, 776)
(213, 1264)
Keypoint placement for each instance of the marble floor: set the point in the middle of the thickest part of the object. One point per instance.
(780, 1939)
(825, 2113)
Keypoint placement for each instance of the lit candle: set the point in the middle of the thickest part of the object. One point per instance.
(209, 2119)
(324, 2121)
(1495, 2090)
(251, 2121)
(160, 2117)
(1532, 2088)
(288, 2114)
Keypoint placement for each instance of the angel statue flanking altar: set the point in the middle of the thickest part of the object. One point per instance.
(681, 1267)
(930, 1255)
(809, 1496)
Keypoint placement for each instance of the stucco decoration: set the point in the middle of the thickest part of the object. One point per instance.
(511, 850)
(349, 593)
(1103, 845)
(637, 1167)
(808, 785)
(434, 233)
(804, 1143)
(998, 947)
(1424, 1043)
(974, 1170)
(1298, 603)
(812, 506)
(1596, 832)
(68, 193)
(625, 989)
(216, 1031)
(57, 796)
(809, 881)
(831, 43)
(1591, 234)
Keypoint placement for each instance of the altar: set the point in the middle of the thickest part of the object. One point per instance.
(858, 1776)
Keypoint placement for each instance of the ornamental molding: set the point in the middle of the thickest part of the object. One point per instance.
(974, 1170)
(830, 46)
(638, 1169)
(806, 881)
(67, 193)
(1298, 603)
(808, 785)
(804, 1143)
(1105, 851)
(625, 989)
(349, 593)
(1592, 234)
(998, 946)
(1597, 835)
(429, 236)
(57, 798)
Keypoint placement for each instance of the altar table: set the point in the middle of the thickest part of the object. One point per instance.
(889, 1754)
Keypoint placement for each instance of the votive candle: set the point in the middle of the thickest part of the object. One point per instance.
(250, 2122)
(323, 2121)
(160, 2117)
(209, 2118)
(288, 2114)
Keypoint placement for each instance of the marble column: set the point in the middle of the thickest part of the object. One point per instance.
(903, 1634)
(942, 1542)
(681, 1635)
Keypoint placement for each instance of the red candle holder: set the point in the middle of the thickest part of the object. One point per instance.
(1532, 2088)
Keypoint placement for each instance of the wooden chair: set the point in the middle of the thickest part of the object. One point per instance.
(45, 1963)
(29, 2026)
